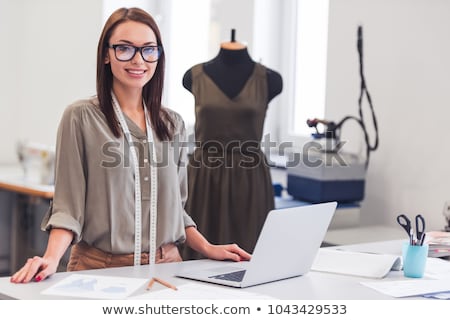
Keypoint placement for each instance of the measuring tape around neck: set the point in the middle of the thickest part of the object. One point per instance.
(137, 186)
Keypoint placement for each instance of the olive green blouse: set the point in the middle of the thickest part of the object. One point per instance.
(94, 182)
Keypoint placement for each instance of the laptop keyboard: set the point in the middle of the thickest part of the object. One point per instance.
(236, 276)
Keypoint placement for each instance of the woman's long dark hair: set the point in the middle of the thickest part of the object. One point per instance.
(152, 91)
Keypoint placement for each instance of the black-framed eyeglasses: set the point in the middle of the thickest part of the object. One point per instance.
(126, 52)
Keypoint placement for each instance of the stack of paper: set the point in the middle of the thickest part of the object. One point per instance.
(370, 265)
(438, 244)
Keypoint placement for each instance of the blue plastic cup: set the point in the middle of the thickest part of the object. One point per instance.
(414, 260)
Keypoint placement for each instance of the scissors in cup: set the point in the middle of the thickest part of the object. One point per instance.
(405, 223)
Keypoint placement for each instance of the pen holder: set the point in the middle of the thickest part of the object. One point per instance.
(414, 260)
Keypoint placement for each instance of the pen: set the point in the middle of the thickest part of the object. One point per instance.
(150, 284)
(164, 283)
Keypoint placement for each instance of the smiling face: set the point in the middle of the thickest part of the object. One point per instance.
(133, 74)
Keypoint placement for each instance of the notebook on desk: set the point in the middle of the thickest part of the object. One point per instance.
(286, 248)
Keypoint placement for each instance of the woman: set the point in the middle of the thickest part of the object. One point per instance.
(120, 180)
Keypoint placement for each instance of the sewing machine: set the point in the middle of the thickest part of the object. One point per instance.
(37, 161)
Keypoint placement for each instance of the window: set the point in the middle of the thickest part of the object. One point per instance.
(310, 66)
(186, 38)
(305, 37)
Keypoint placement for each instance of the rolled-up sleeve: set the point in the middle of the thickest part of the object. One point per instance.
(67, 209)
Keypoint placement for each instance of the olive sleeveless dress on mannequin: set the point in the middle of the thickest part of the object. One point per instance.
(230, 187)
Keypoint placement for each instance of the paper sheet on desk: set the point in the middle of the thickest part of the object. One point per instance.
(194, 291)
(95, 287)
(409, 288)
(368, 265)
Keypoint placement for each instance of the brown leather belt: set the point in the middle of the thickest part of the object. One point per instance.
(85, 257)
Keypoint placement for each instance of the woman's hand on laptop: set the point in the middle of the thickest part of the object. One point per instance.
(227, 252)
(198, 242)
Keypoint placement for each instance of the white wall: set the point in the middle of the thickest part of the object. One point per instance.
(8, 80)
(407, 68)
(50, 63)
(8, 122)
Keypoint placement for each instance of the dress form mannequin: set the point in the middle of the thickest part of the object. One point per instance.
(230, 187)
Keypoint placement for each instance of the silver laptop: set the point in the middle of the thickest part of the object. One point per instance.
(286, 247)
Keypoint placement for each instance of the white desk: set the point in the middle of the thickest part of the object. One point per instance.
(313, 285)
